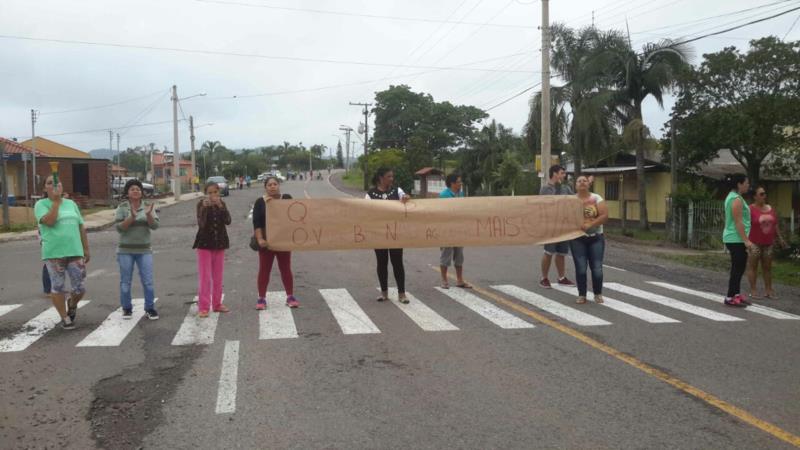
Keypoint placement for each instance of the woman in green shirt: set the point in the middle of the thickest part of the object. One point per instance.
(65, 249)
(735, 236)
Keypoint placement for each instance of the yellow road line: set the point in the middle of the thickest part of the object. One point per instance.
(646, 368)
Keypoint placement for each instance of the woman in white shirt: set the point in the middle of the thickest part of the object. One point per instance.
(383, 189)
(588, 249)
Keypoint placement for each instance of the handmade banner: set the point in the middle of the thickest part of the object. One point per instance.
(344, 223)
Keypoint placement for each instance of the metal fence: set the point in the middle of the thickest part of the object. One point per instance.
(698, 224)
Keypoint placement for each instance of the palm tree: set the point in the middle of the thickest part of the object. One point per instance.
(580, 57)
(208, 148)
(651, 72)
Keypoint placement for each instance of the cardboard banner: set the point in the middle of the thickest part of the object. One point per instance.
(346, 223)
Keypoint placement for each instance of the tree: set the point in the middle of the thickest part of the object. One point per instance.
(748, 103)
(485, 153)
(582, 58)
(415, 123)
(651, 72)
(339, 155)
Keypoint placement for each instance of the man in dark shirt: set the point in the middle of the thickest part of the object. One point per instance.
(555, 186)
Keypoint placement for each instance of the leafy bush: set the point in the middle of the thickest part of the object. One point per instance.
(693, 191)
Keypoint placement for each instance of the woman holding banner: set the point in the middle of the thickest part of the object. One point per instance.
(588, 250)
(266, 257)
(383, 189)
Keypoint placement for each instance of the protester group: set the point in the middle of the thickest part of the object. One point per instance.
(749, 235)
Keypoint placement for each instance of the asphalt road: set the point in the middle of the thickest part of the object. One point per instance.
(344, 371)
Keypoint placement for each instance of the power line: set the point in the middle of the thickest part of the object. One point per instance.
(362, 15)
(681, 25)
(89, 108)
(474, 32)
(96, 130)
(355, 83)
(245, 55)
(791, 28)
(738, 26)
(144, 113)
(513, 97)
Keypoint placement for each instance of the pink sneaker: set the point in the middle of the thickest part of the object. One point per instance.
(743, 299)
(292, 302)
(261, 304)
(545, 283)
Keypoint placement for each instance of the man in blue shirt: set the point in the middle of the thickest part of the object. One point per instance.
(452, 254)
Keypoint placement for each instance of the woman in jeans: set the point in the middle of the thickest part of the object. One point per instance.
(266, 257)
(135, 220)
(589, 248)
(735, 236)
(763, 235)
(65, 249)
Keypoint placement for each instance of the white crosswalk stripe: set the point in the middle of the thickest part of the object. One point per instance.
(494, 314)
(625, 308)
(421, 314)
(672, 303)
(228, 377)
(33, 330)
(759, 309)
(195, 330)
(5, 309)
(115, 328)
(277, 321)
(351, 318)
(551, 306)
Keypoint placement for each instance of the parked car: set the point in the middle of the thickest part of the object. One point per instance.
(119, 184)
(222, 183)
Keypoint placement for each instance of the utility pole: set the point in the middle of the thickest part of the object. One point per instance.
(673, 160)
(176, 154)
(545, 88)
(119, 157)
(191, 142)
(4, 180)
(34, 115)
(366, 139)
(347, 131)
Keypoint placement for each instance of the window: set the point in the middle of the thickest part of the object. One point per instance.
(159, 172)
(183, 172)
(612, 189)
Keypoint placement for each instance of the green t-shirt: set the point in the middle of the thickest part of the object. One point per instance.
(63, 239)
(729, 234)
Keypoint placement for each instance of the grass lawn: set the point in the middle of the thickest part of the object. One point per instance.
(18, 227)
(636, 233)
(783, 271)
(354, 179)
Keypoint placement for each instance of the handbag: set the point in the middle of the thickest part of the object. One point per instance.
(253, 241)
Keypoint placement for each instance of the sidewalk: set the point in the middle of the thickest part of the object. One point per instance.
(99, 220)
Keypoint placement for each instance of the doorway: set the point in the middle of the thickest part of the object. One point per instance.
(80, 179)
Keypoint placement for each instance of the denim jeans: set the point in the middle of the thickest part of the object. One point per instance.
(588, 250)
(145, 263)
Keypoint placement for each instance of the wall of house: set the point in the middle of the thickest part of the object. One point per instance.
(779, 195)
(658, 188)
(99, 175)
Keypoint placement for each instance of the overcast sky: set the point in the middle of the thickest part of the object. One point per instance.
(310, 64)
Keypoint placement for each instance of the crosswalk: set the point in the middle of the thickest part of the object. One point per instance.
(426, 311)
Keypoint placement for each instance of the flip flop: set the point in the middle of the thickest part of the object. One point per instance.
(464, 285)
(445, 285)
(403, 300)
(381, 299)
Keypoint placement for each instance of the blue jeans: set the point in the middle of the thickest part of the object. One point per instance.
(588, 250)
(145, 263)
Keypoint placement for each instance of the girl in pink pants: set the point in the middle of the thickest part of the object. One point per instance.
(211, 242)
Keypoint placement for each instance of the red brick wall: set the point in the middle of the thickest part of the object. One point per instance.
(99, 175)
